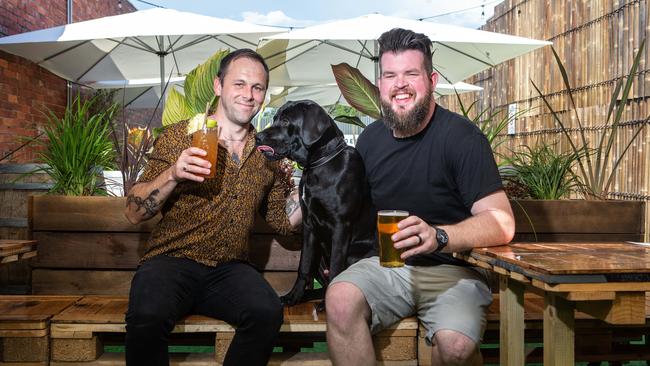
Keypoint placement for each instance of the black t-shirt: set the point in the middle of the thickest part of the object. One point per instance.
(436, 175)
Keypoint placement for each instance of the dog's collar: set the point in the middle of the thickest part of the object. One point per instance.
(340, 146)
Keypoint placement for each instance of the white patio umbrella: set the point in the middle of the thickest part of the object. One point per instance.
(139, 93)
(303, 56)
(330, 94)
(154, 43)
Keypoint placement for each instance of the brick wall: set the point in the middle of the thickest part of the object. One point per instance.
(25, 88)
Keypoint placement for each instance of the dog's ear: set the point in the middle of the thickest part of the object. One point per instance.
(314, 124)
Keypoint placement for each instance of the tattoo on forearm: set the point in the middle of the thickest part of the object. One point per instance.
(149, 204)
(235, 158)
(292, 206)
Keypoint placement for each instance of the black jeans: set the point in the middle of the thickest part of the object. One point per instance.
(165, 289)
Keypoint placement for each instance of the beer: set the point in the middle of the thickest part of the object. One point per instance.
(208, 139)
(387, 226)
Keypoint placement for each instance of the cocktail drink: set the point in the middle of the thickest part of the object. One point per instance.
(387, 226)
(207, 138)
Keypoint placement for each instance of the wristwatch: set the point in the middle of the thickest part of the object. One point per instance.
(442, 238)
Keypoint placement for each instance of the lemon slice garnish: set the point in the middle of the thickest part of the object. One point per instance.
(211, 123)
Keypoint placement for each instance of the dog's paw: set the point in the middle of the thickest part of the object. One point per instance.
(290, 299)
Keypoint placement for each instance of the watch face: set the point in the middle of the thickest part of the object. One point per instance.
(441, 236)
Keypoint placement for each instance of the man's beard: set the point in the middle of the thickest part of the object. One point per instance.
(408, 123)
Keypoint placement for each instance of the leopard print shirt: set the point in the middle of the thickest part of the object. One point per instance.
(210, 222)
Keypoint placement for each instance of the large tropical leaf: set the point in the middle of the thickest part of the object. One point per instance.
(199, 83)
(362, 94)
(176, 108)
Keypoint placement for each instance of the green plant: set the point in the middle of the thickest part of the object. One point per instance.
(541, 172)
(491, 123)
(77, 148)
(597, 167)
(199, 91)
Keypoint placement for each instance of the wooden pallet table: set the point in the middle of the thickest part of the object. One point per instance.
(607, 281)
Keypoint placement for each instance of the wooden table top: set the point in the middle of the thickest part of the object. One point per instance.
(571, 262)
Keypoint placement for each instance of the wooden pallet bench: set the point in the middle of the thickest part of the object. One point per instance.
(77, 333)
(77, 328)
(25, 327)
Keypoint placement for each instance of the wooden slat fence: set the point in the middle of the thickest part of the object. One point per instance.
(596, 40)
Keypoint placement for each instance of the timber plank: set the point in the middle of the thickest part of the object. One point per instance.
(579, 216)
(123, 250)
(626, 308)
(573, 259)
(32, 308)
(94, 213)
(512, 326)
(91, 213)
(559, 336)
(106, 313)
(116, 283)
(79, 250)
(9, 244)
(81, 282)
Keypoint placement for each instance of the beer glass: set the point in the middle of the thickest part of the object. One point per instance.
(207, 138)
(387, 226)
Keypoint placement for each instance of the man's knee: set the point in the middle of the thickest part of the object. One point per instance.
(454, 348)
(264, 316)
(345, 303)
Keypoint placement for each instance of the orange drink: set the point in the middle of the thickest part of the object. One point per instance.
(387, 226)
(208, 139)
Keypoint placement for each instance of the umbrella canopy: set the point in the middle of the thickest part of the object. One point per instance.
(154, 43)
(138, 93)
(331, 94)
(304, 56)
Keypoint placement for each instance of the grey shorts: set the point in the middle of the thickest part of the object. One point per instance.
(443, 296)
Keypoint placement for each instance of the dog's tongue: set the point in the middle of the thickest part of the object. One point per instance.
(265, 148)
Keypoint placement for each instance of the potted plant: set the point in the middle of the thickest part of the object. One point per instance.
(540, 172)
(77, 148)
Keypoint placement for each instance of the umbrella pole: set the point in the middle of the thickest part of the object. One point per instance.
(376, 60)
(161, 55)
(162, 73)
(68, 84)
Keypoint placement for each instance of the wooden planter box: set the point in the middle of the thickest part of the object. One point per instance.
(578, 220)
(87, 247)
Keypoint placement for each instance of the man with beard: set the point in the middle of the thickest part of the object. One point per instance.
(439, 167)
(196, 258)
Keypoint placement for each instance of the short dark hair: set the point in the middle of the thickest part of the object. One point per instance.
(237, 54)
(397, 40)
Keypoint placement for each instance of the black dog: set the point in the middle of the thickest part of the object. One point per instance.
(338, 219)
